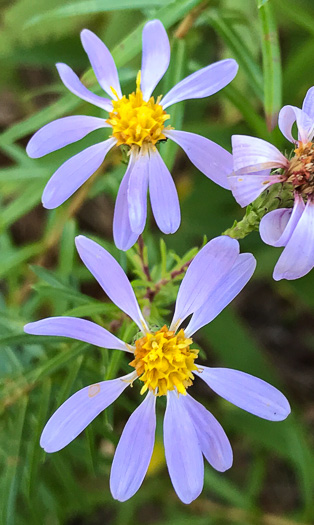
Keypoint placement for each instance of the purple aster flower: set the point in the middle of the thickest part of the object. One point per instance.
(292, 228)
(138, 121)
(164, 363)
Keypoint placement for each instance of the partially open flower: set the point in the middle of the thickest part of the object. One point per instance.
(292, 228)
(139, 122)
(165, 363)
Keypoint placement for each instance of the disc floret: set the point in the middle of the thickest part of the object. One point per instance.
(300, 172)
(136, 121)
(164, 361)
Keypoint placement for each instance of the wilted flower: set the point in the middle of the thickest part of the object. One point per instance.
(254, 159)
(138, 121)
(165, 364)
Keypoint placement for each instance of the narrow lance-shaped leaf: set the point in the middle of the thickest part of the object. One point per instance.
(175, 75)
(271, 65)
(87, 8)
(241, 52)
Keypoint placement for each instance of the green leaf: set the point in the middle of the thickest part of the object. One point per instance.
(91, 309)
(178, 56)
(9, 260)
(48, 276)
(67, 248)
(35, 453)
(248, 112)
(225, 489)
(163, 254)
(29, 197)
(23, 338)
(271, 65)
(241, 51)
(302, 17)
(93, 7)
(55, 363)
(20, 174)
(65, 391)
(12, 475)
(64, 105)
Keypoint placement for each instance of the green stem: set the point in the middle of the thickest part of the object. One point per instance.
(274, 197)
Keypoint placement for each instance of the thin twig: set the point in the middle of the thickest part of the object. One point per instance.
(189, 20)
(152, 292)
(140, 243)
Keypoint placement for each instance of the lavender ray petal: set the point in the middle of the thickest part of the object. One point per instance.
(210, 158)
(134, 451)
(308, 103)
(76, 328)
(137, 193)
(73, 84)
(202, 83)
(155, 56)
(123, 236)
(74, 172)
(297, 258)
(247, 392)
(78, 412)
(251, 154)
(62, 132)
(111, 278)
(163, 195)
(102, 62)
(211, 436)
(210, 265)
(246, 188)
(290, 114)
(277, 226)
(183, 454)
(225, 291)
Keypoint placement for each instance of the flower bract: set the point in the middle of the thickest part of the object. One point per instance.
(165, 362)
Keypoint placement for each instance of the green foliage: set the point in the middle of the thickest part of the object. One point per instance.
(41, 274)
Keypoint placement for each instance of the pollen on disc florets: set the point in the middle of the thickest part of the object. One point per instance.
(137, 122)
(300, 172)
(164, 361)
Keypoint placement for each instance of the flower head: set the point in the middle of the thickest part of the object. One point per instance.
(140, 122)
(137, 122)
(291, 228)
(164, 361)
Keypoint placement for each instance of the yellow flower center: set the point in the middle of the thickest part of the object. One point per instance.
(135, 121)
(164, 361)
(300, 172)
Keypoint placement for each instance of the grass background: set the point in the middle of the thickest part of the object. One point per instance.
(267, 331)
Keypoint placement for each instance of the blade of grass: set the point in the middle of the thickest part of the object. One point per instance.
(242, 53)
(35, 453)
(300, 16)
(11, 478)
(93, 7)
(169, 149)
(251, 117)
(25, 202)
(9, 261)
(271, 64)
